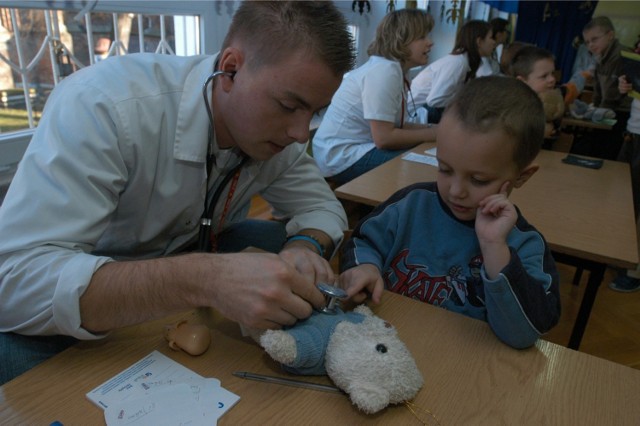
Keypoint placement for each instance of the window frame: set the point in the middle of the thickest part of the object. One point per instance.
(14, 144)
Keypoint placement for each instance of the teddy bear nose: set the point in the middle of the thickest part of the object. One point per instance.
(381, 348)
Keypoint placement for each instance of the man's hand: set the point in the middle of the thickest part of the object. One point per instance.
(261, 290)
(314, 268)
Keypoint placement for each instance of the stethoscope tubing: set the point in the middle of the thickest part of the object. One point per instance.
(204, 242)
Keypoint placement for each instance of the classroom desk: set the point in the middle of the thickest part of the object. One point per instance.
(470, 378)
(569, 121)
(585, 215)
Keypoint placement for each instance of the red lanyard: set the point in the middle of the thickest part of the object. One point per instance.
(407, 85)
(232, 189)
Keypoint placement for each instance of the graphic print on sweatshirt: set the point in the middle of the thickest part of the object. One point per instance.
(416, 282)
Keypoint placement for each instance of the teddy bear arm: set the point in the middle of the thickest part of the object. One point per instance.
(280, 345)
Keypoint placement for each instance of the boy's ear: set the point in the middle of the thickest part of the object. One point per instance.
(525, 174)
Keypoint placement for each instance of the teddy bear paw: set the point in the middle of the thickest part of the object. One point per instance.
(280, 345)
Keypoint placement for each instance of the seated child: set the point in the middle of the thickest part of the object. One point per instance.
(600, 38)
(459, 243)
(535, 66)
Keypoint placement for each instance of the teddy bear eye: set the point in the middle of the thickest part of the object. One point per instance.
(381, 348)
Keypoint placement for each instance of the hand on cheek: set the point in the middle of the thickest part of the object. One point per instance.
(495, 217)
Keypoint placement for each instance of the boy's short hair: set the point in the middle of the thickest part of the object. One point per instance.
(396, 30)
(599, 22)
(272, 30)
(524, 60)
(493, 103)
(508, 53)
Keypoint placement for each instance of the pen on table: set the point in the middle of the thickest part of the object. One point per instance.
(287, 382)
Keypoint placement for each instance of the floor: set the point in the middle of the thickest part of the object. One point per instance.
(613, 331)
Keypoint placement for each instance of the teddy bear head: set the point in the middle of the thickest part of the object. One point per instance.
(553, 104)
(370, 362)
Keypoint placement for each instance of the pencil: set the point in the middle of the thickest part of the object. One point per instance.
(287, 382)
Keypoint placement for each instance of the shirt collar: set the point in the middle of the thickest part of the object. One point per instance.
(192, 125)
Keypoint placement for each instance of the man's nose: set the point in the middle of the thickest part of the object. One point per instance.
(299, 128)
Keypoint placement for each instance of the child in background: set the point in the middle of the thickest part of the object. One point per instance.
(629, 281)
(600, 38)
(366, 122)
(535, 66)
(491, 64)
(438, 83)
(459, 243)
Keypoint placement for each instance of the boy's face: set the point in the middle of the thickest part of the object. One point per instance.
(473, 166)
(598, 40)
(541, 77)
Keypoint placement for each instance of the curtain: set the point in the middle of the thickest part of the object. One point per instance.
(510, 6)
(554, 25)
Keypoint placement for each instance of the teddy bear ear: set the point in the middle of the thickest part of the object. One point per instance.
(368, 398)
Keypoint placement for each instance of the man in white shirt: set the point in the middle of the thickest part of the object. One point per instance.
(130, 152)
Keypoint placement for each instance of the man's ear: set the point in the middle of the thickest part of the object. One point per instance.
(525, 174)
(230, 61)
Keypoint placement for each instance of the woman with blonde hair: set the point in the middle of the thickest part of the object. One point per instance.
(367, 121)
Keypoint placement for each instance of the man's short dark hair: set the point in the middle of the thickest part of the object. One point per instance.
(270, 31)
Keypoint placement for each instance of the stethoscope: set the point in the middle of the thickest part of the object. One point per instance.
(204, 241)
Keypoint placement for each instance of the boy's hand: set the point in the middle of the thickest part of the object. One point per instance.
(623, 85)
(495, 217)
(361, 281)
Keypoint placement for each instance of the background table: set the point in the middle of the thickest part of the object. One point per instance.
(585, 215)
(470, 378)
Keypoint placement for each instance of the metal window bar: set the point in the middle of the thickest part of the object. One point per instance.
(57, 49)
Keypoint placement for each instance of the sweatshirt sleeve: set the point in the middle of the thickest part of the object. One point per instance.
(523, 302)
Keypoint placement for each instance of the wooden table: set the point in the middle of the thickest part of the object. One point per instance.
(569, 121)
(585, 215)
(470, 378)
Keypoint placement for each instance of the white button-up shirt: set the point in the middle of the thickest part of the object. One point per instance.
(117, 170)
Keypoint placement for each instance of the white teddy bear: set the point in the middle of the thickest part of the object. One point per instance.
(359, 351)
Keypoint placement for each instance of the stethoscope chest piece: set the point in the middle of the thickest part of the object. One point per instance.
(333, 295)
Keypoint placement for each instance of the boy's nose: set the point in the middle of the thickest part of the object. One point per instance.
(457, 189)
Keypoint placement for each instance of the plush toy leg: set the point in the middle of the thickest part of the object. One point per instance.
(280, 345)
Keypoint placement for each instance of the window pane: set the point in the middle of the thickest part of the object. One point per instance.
(39, 48)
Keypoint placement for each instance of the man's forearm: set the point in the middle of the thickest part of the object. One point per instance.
(126, 293)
